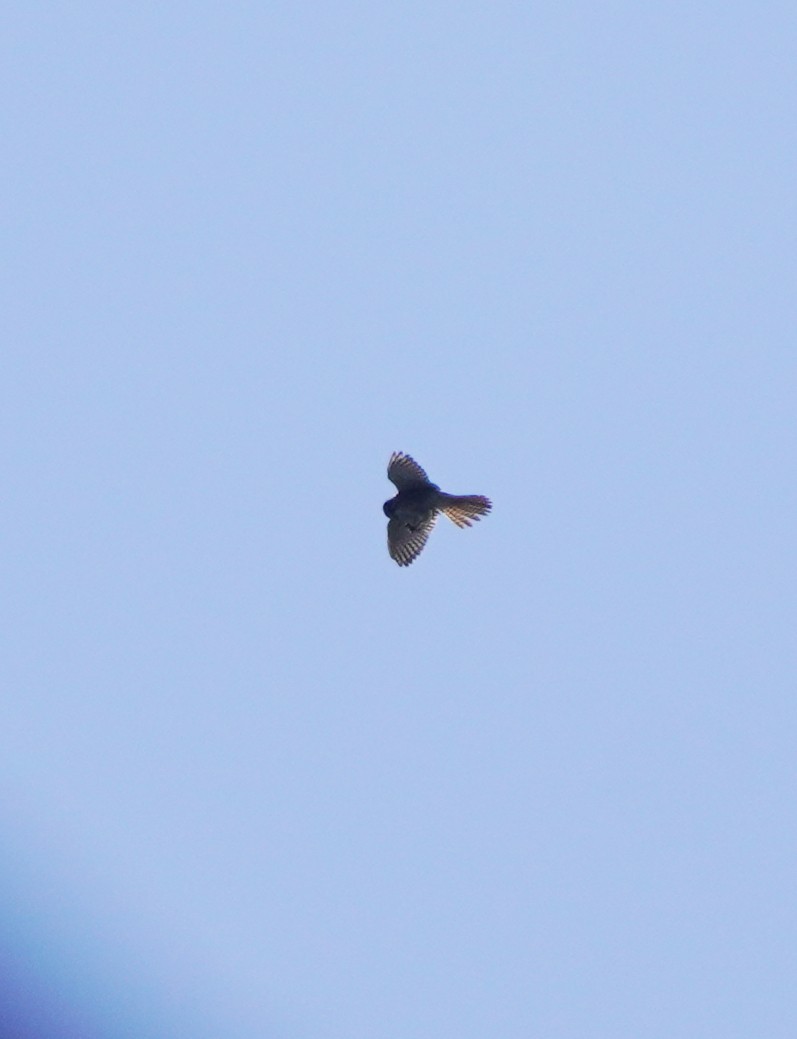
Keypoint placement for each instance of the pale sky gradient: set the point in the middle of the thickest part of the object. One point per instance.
(258, 782)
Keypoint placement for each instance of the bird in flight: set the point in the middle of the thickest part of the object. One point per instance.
(414, 510)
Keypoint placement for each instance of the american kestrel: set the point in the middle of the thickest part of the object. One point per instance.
(413, 512)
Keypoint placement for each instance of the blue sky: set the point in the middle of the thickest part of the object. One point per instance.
(256, 779)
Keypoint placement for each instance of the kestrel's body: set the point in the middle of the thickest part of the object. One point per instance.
(412, 513)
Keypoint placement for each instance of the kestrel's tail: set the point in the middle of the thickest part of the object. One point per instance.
(464, 509)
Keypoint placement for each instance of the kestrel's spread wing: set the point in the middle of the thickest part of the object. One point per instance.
(405, 472)
(405, 544)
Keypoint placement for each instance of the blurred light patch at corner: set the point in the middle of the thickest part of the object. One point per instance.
(60, 979)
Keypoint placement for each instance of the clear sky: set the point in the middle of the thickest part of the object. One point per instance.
(257, 781)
